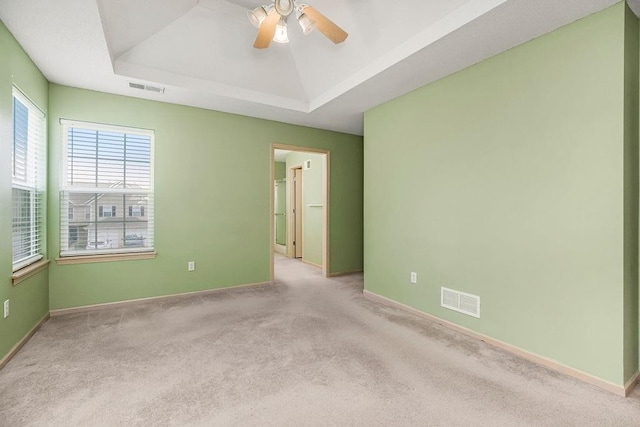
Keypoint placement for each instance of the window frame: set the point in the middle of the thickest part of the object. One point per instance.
(68, 256)
(36, 189)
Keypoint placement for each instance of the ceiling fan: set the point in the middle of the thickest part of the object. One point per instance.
(271, 21)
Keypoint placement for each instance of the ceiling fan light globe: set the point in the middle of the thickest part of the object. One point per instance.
(281, 35)
(307, 24)
(300, 7)
(257, 16)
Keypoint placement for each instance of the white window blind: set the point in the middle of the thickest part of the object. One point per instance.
(107, 172)
(28, 160)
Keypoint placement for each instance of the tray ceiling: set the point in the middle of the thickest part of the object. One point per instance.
(201, 51)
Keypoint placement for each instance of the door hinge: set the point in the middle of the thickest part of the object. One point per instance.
(294, 243)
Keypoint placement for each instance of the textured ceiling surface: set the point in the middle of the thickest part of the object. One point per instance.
(201, 51)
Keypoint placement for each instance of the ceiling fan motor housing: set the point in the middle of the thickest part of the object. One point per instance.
(284, 7)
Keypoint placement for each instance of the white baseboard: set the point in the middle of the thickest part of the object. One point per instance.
(7, 357)
(551, 364)
(345, 273)
(281, 249)
(312, 264)
(107, 305)
(631, 384)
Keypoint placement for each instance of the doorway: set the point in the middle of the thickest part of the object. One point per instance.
(304, 172)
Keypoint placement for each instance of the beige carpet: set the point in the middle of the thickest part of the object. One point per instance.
(306, 351)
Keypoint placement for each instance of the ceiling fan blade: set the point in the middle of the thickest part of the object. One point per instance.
(326, 26)
(267, 30)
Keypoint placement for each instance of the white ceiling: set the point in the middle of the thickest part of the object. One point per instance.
(201, 50)
(280, 155)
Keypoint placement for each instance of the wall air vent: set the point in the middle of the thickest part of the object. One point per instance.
(460, 302)
(141, 86)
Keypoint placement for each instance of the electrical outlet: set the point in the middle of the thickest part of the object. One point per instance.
(414, 277)
(6, 309)
(191, 266)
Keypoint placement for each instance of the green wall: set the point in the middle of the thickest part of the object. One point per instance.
(513, 180)
(311, 195)
(212, 190)
(631, 120)
(279, 170)
(29, 300)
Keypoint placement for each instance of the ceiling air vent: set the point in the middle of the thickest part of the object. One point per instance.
(141, 86)
(460, 302)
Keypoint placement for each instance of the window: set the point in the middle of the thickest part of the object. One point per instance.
(28, 181)
(106, 211)
(73, 234)
(136, 210)
(108, 171)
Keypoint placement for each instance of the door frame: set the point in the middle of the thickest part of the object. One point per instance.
(292, 226)
(326, 215)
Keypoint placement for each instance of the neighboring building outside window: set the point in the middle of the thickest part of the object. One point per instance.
(28, 161)
(107, 171)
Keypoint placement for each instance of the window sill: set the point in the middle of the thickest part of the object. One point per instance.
(86, 259)
(30, 270)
